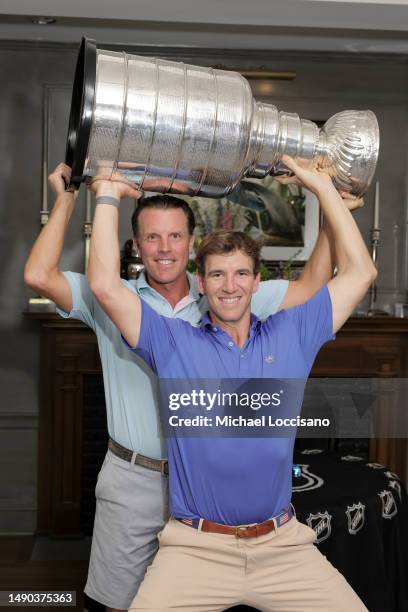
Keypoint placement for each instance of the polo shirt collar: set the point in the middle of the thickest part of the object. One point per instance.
(207, 325)
(143, 286)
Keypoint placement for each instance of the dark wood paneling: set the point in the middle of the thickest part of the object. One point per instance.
(68, 352)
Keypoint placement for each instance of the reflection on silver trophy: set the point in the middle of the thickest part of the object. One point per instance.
(174, 128)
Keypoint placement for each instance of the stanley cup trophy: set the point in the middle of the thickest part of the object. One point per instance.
(169, 127)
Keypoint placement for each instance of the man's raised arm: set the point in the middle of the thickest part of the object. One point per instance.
(42, 271)
(120, 304)
(320, 266)
(356, 270)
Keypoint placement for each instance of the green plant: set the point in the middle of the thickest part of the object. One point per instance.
(264, 272)
(191, 266)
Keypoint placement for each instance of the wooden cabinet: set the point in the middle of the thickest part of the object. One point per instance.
(69, 352)
(371, 347)
(365, 347)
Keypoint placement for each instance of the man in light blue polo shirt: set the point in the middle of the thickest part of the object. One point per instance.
(131, 491)
(235, 487)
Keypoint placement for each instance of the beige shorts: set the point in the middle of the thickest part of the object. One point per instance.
(279, 572)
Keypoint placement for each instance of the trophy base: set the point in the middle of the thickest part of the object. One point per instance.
(40, 304)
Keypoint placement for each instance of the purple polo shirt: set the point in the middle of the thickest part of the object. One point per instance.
(228, 480)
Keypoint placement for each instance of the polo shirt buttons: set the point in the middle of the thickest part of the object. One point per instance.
(242, 355)
(230, 343)
(215, 329)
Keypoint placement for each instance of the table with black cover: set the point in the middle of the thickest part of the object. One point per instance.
(359, 511)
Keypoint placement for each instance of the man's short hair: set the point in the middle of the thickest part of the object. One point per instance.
(164, 202)
(222, 242)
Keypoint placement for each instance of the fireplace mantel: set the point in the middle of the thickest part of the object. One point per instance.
(365, 347)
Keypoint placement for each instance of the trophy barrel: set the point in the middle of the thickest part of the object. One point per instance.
(163, 126)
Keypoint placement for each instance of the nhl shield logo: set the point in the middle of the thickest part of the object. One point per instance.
(392, 475)
(356, 517)
(389, 506)
(351, 458)
(376, 466)
(321, 524)
(397, 486)
(306, 481)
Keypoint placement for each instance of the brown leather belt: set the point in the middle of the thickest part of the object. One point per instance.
(245, 531)
(127, 455)
(241, 531)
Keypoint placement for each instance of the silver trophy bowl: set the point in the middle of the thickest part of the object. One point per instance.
(169, 127)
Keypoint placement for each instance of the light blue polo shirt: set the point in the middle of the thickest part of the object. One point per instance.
(229, 480)
(131, 389)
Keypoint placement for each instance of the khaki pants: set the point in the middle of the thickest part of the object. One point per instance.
(279, 572)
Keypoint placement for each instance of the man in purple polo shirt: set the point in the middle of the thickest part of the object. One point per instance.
(233, 538)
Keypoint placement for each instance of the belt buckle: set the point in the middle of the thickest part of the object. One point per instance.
(163, 468)
(242, 531)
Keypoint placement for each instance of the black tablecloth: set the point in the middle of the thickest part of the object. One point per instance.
(360, 513)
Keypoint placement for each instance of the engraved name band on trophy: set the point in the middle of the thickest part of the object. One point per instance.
(169, 127)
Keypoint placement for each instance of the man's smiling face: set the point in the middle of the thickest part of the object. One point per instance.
(229, 282)
(164, 243)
